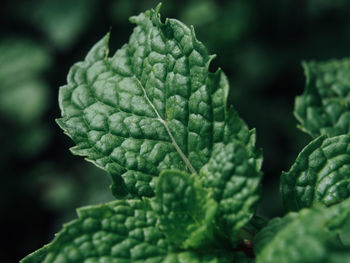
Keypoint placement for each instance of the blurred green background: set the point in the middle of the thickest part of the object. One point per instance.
(259, 44)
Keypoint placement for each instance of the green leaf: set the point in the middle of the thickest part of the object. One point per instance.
(186, 210)
(320, 174)
(344, 234)
(153, 105)
(324, 107)
(307, 237)
(62, 21)
(21, 81)
(255, 224)
(120, 231)
(233, 174)
(267, 234)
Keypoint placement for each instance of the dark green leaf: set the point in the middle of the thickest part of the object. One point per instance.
(320, 174)
(307, 237)
(121, 231)
(234, 174)
(324, 107)
(267, 234)
(153, 105)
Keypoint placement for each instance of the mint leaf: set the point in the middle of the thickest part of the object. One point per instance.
(62, 21)
(320, 174)
(344, 233)
(153, 105)
(310, 237)
(267, 234)
(21, 80)
(233, 174)
(186, 210)
(255, 224)
(324, 106)
(120, 231)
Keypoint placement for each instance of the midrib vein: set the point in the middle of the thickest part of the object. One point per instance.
(162, 121)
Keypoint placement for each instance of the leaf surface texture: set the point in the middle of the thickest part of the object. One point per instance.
(310, 237)
(320, 174)
(324, 107)
(186, 210)
(120, 231)
(153, 105)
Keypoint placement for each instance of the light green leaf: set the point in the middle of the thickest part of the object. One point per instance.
(320, 174)
(186, 210)
(120, 231)
(21, 80)
(310, 237)
(324, 107)
(153, 105)
(344, 233)
(62, 21)
(233, 174)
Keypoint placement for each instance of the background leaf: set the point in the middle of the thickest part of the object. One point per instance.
(324, 108)
(320, 174)
(310, 236)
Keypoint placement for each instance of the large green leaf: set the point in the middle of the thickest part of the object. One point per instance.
(234, 174)
(186, 210)
(307, 237)
(324, 107)
(320, 174)
(153, 105)
(121, 231)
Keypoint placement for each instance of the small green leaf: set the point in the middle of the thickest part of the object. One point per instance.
(255, 224)
(233, 174)
(267, 234)
(186, 210)
(120, 231)
(62, 21)
(153, 105)
(324, 107)
(320, 174)
(21, 81)
(311, 236)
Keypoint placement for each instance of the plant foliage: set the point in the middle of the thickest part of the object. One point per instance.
(184, 165)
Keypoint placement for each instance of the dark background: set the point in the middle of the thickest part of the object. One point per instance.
(259, 44)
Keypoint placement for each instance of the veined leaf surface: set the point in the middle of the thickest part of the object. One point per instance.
(186, 209)
(311, 236)
(153, 105)
(324, 107)
(233, 173)
(320, 174)
(119, 232)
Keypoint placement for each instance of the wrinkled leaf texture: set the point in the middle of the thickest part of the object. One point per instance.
(153, 105)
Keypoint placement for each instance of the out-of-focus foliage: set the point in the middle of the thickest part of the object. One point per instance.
(61, 21)
(261, 55)
(23, 93)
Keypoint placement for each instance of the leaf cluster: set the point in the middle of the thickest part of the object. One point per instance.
(184, 165)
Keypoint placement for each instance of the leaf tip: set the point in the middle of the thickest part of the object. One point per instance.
(158, 7)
